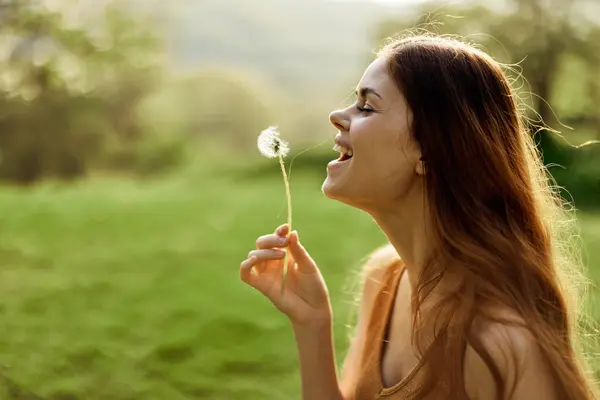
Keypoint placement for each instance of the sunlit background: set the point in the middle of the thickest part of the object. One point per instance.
(132, 187)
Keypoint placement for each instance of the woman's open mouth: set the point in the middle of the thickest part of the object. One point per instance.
(345, 154)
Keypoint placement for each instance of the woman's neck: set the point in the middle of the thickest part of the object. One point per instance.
(408, 228)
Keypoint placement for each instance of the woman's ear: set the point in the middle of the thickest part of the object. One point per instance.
(420, 167)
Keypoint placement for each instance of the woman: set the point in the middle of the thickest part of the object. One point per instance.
(470, 298)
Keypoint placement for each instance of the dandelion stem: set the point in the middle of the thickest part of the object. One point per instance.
(289, 219)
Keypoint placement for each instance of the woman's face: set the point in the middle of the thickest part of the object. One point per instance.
(385, 163)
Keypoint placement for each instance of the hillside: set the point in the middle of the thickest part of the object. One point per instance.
(293, 44)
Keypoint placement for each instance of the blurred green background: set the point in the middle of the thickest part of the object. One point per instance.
(131, 186)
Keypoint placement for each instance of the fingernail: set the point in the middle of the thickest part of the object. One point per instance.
(282, 240)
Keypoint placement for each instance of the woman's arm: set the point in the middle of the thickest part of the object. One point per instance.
(305, 301)
(315, 342)
(317, 361)
(525, 372)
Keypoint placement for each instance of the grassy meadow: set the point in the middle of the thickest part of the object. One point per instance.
(118, 289)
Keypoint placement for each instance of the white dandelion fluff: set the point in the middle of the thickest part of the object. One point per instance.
(272, 146)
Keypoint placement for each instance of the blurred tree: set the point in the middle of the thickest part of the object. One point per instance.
(70, 79)
(213, 103)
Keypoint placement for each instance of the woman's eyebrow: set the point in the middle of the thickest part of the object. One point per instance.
(366, 90)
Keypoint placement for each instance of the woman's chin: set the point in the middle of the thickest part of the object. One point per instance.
(333, 190)
(326, 188)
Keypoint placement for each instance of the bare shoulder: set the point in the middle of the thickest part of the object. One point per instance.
(383, 255)
(378, 261)
(519, 360)
(373, 274)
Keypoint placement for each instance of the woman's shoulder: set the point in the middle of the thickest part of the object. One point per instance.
(515, 353)
(374, 271)
(379, 261)
(383, 255)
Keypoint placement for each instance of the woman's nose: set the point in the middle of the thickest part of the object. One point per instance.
(339, 119)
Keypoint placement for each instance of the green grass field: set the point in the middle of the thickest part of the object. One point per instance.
(117, 289)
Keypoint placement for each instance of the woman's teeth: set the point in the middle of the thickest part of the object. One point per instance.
(343, 150)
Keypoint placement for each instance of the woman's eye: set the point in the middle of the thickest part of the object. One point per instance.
(363, 109)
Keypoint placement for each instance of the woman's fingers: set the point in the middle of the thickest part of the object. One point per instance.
(268, 247)
(304, 261)
(255, 257)
(283, 230)
(277, 239)
(266, 254)
(270, 241)
(246, 270)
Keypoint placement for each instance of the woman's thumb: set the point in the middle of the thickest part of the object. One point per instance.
(303, 259)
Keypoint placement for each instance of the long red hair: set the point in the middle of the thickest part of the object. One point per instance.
(496, 214)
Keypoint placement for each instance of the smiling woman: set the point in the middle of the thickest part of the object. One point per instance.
(476, 295)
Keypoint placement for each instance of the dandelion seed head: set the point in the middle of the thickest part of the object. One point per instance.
(270, 144)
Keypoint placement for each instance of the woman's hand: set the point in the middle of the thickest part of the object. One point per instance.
(305, 299)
